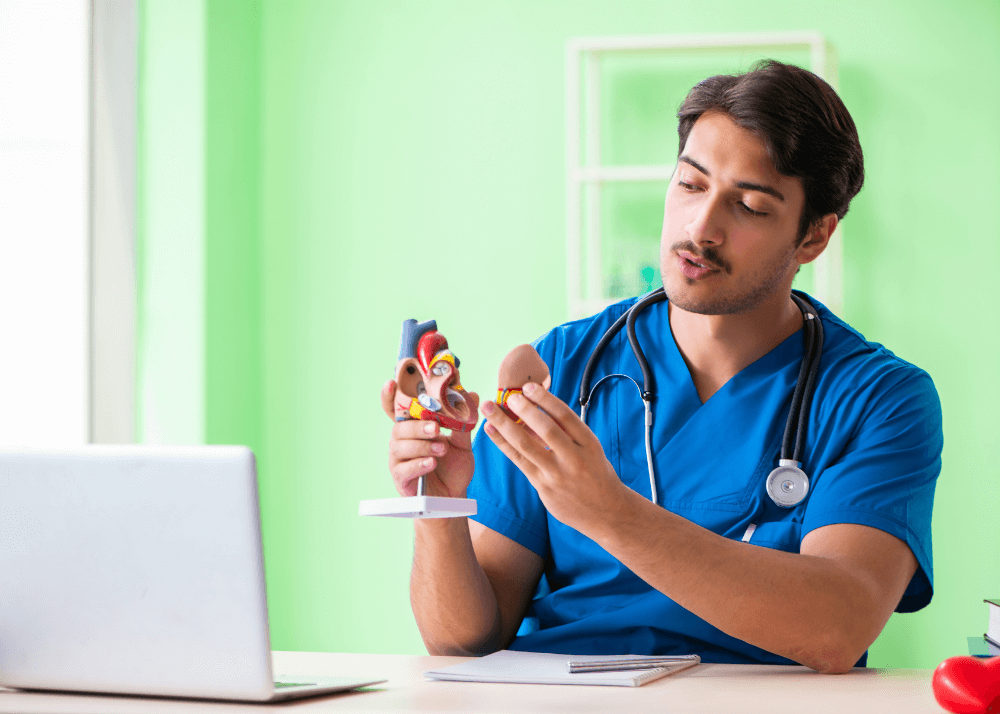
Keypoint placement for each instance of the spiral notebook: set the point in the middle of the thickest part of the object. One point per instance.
(511, 667)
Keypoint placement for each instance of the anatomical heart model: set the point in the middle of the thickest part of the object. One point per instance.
(427, 383)
(428, 389)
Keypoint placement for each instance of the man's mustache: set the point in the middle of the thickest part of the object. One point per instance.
(709, 256)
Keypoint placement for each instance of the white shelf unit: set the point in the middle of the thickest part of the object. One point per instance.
(585, 174)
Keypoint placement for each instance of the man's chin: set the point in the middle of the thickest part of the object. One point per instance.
(700, 307)
(685, 297)
(714, 304)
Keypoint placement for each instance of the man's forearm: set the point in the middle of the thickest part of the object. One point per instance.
(453, 602)
(822, 607)
(810, 609)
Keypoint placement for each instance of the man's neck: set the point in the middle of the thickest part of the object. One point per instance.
(717, 347)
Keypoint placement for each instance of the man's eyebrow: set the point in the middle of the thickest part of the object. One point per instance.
(745, 185)
(688, 160)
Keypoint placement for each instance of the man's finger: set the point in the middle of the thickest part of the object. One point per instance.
(549, 432)
(406, 472)
(415, 429)
(560, 412)
(516, 457)
(516, 438)
(406, 449)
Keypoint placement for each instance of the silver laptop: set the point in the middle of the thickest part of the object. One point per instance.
(137, 570)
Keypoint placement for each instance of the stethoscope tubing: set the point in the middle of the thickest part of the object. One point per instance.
(648, 381)
(793, 439)
(647, 392)
(805, 385)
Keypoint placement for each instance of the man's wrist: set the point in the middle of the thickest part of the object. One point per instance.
(441, 527)
(625, 510)
(434, 486)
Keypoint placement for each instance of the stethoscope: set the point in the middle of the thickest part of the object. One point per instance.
(788, 484)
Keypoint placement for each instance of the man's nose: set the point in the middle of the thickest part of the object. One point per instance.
(707, 225)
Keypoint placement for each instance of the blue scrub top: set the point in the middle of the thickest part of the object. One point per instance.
(872, 453)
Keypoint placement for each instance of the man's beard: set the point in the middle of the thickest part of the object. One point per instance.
(749, 294)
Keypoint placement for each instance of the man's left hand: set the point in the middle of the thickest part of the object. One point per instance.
(561, 457)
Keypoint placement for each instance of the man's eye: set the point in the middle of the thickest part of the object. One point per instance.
(750, 212)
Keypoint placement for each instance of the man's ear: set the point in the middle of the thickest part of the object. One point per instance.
(816, 239)
(408, 376)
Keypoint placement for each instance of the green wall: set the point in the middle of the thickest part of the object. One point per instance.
(367, 162)
(233, 377)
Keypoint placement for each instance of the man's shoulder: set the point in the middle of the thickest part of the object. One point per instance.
(603, 318)
(587, 329)
(850, 357)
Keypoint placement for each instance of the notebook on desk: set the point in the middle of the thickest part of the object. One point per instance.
(137, 570)
(511, 667)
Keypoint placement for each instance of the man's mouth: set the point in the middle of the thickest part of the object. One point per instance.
(696, 261)
(694, 267)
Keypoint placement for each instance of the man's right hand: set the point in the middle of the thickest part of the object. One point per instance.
(470, 586)
(418, 448)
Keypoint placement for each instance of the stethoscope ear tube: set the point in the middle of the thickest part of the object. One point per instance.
(798, 414)
(648, 382)
(629, 317)
(595, 356)
(803, 417)
(787, 444)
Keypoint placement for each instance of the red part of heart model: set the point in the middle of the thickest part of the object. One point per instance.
(967, 685)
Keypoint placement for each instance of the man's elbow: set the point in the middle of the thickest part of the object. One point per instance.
(836, 655)
(451, 646)
(834, 667)
(453, 650)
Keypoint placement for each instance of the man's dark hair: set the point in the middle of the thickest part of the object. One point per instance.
(808, 132)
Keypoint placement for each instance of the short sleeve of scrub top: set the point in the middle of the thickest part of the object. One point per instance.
(872, 454)
(883, 470)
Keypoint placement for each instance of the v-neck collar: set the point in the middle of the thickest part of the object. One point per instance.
(788, 350)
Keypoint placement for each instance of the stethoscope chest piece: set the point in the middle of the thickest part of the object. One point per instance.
(787, 485)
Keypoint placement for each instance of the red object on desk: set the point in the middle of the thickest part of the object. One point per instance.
(968, 685)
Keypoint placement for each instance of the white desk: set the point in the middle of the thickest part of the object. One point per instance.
(714, 688)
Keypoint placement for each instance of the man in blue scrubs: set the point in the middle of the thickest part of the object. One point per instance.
(569, 554)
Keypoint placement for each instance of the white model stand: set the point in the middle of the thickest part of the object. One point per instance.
(585, 174)
(419, 506)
